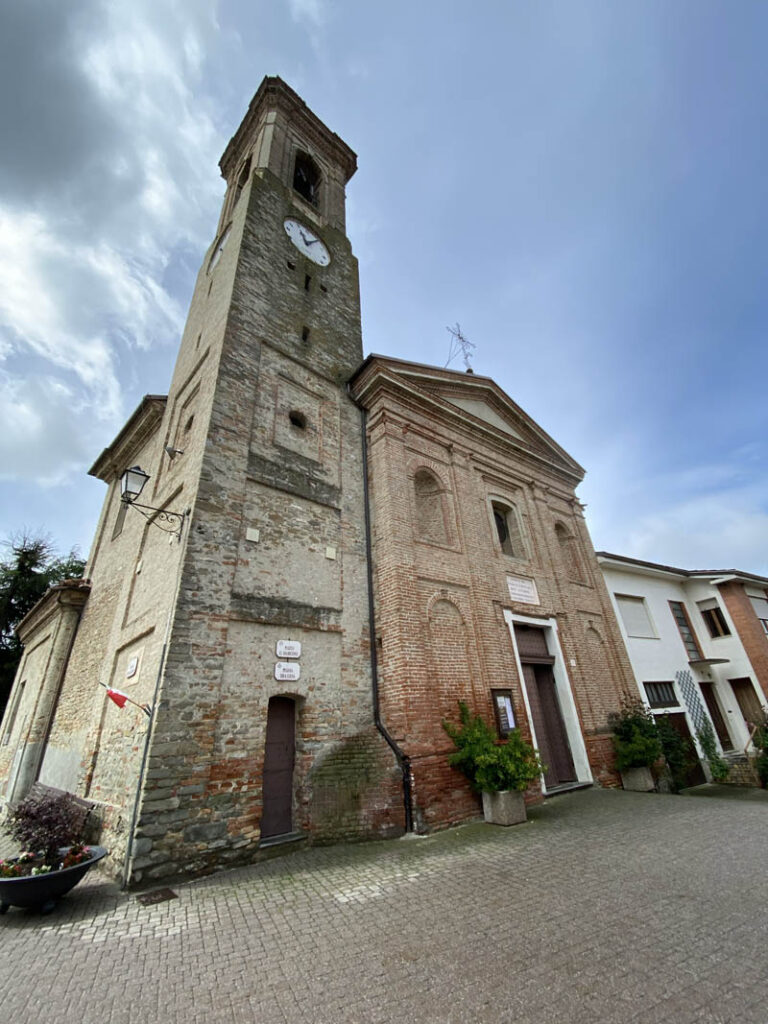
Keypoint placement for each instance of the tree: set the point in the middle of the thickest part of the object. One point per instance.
(31, 566)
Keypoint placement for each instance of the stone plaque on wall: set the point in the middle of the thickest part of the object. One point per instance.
(287, 671)
(522, 589)
(288, 649)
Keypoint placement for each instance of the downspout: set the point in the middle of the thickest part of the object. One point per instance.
(403, 759)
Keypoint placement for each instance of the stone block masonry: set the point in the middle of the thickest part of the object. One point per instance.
(282, 461)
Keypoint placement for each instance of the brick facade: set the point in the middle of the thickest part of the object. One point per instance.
(259, 446)
(442, 577)
(751, 633)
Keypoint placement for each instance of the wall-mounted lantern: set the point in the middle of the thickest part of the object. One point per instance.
(131, 485)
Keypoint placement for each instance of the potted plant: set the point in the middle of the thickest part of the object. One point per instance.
(637, 745)
(500, 771)
(49, 827)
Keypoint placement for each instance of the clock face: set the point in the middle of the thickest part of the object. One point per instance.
(307, 242)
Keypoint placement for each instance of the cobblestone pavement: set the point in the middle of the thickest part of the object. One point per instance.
(605, 907)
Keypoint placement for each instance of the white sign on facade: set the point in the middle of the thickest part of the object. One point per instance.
(133, 664)
(287, 671)
(288, 648)
(522, 589)
(506, 714)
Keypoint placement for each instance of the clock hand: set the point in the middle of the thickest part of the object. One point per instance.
(308, 241)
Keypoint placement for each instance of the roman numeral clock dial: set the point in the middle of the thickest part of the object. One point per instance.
(307, 242)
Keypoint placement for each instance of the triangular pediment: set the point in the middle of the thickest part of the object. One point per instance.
(484, 411)
(478, 402)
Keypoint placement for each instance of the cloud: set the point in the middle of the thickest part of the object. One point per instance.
(718, 531)
(311, 12)
(97, 199)
(707, 515)
(39, 435)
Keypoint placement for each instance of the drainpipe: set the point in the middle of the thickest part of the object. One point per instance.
(402, 758)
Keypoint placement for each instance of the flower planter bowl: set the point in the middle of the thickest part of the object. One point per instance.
(504, 808)
(637, 780)
(44, 891)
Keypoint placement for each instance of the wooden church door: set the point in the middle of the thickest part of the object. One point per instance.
(279, 752)
(551, 735)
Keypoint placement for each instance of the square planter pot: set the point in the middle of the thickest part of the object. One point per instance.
(505, 808)
(638, 780)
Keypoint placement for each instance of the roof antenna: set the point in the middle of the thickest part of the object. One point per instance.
(459, 346)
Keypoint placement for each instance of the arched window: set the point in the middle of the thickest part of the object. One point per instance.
(508, 529)
(306, 178)
(242, 181)
(430, 516)
(569, 553)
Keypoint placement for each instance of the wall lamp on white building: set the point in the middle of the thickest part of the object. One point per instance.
(131, 485)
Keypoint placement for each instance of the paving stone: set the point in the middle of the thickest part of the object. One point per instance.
(607, 906)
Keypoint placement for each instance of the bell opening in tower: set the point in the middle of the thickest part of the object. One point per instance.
(306, 178)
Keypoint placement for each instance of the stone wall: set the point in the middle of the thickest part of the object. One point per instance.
(275, 551)
(47, 634)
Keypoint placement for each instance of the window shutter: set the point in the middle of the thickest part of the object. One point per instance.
(635, 615)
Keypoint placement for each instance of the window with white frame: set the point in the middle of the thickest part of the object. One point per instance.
(634, 615)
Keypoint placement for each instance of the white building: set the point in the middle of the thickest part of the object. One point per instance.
(698, 645)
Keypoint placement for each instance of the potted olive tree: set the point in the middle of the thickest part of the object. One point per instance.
(637, 745)
(500, 771)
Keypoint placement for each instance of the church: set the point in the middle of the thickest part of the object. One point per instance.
(304, 561)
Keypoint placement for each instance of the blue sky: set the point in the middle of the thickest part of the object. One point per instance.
(580, 184)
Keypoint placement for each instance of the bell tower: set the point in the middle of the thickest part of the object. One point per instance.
(253, 745)
(282, 135)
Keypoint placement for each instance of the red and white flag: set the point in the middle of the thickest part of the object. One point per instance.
(119, 698)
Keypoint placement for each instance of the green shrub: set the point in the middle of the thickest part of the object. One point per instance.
(635, 736)
(490, 766)
(760, 739)
(43, 824)
(679, 752)
(718, 766)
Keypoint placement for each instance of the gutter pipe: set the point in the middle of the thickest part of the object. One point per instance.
(403, 759)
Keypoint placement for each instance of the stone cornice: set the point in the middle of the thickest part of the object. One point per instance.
(379, 376)
(274, 94)
(115, 459)
(69, 592)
